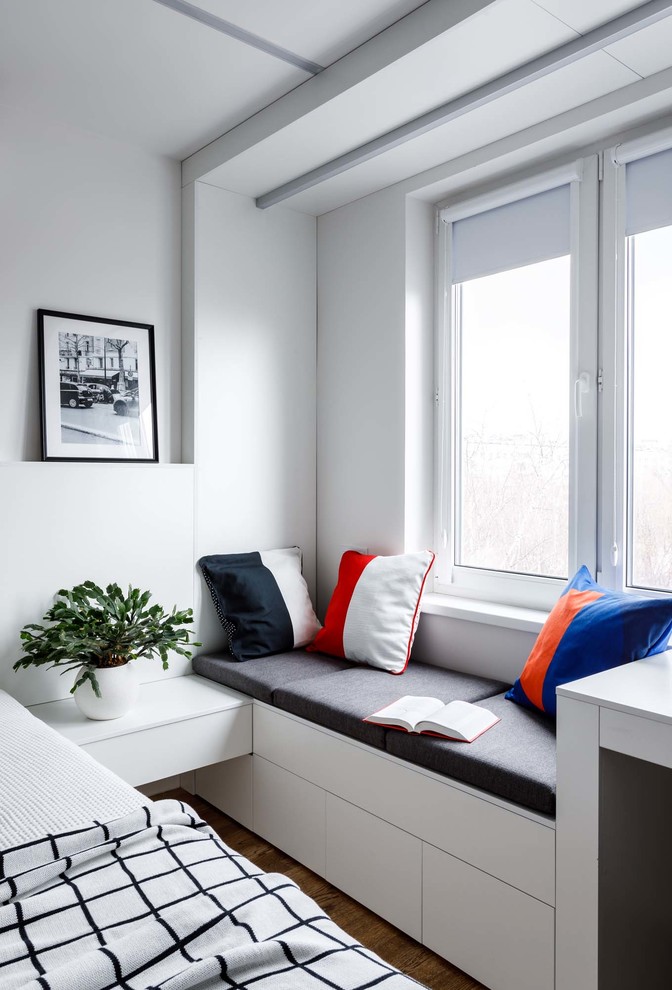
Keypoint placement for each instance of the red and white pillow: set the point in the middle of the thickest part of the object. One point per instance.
(374, 610)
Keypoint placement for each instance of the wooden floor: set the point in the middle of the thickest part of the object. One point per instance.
(386, 940)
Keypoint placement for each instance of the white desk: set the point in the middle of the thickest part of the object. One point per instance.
(610, 807)
(177, 725)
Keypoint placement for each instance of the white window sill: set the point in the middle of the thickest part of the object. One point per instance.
(489, 613)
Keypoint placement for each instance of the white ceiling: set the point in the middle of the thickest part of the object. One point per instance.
(582, 15)
(320, 30)
(133, 71)
(141, 73)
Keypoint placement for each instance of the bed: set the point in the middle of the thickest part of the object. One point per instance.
(101, 888)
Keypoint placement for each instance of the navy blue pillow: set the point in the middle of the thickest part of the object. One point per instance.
(262, 601)
(590, 629)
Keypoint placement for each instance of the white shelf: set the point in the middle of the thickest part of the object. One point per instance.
(178, 724)
(642, 688)
(173, 699)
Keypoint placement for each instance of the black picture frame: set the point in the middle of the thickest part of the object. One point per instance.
(97, 388)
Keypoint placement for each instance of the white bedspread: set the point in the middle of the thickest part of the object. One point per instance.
(101, 888)
(48, 784)
(156, 900)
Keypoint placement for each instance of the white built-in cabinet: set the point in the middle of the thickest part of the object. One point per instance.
(468, 875)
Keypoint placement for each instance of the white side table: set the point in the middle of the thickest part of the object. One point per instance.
(614, 805)
(178, 724)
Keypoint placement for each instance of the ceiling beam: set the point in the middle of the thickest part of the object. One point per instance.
(638, 105)
(572, 51)
(240, 34)
(428, 21)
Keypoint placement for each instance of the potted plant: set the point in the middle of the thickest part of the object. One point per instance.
(97, 633)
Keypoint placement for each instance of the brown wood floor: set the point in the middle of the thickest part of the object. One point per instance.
(386, 940)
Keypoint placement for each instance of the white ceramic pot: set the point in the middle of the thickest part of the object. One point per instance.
(119, 692)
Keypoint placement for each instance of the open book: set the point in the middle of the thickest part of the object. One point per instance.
(456, 720)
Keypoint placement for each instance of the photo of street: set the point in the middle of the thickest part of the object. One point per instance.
(98, 390)
(98, 424)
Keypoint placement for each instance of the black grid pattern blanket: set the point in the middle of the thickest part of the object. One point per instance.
(156, 899)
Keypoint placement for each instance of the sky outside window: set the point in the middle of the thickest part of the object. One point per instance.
(513, 435)
(650, 416)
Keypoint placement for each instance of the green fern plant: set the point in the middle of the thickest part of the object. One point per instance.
(91, 628)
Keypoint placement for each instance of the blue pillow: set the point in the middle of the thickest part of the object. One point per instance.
(590, 629)
(261, 600)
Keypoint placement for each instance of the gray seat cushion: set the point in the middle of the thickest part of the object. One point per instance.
(260, 677)
(515, 759)
(341, 700)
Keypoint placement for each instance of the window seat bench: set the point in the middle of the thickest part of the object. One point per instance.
(454, 843)
(514, 760)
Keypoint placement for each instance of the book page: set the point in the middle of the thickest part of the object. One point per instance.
(460, 720)
(406, 712)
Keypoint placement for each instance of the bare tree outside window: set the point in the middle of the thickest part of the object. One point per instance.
(650, 449)
(513, 441)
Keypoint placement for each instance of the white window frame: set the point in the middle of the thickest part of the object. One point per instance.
(510, 588)
(613, 362)
(615, 444)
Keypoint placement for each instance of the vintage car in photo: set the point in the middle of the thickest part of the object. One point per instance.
(75, 395)
(101, 393)
(127, 403)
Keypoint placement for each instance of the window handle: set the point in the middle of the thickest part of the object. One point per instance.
(581, 388)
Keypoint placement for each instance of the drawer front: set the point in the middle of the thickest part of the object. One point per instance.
(642, 738)
(511, 846)
(497, 934)
(166, 750)
(376, 863)
(290, 813)
(228, 786)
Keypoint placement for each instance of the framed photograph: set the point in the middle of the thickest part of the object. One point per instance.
(98, 388)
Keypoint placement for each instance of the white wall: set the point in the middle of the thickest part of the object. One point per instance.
(376, 409)
(91, 226)
(254, 410)
(361, 381)
(94, 227)
(475, 647)
(62, 524)
(88, 226)
(420, 378)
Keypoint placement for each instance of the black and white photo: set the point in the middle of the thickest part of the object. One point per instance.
(98, 391)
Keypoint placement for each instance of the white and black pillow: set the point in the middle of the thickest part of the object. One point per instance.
(262, 601)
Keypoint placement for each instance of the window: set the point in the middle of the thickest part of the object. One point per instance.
(517, 433)
(648, 345)
(512, 491)
(530, 482)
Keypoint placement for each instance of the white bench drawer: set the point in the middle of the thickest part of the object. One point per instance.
(376, 863)
(447, 815)
(290, 813)
(493, 931)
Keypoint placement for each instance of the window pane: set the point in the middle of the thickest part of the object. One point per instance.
(512, 459)
(650, 426)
